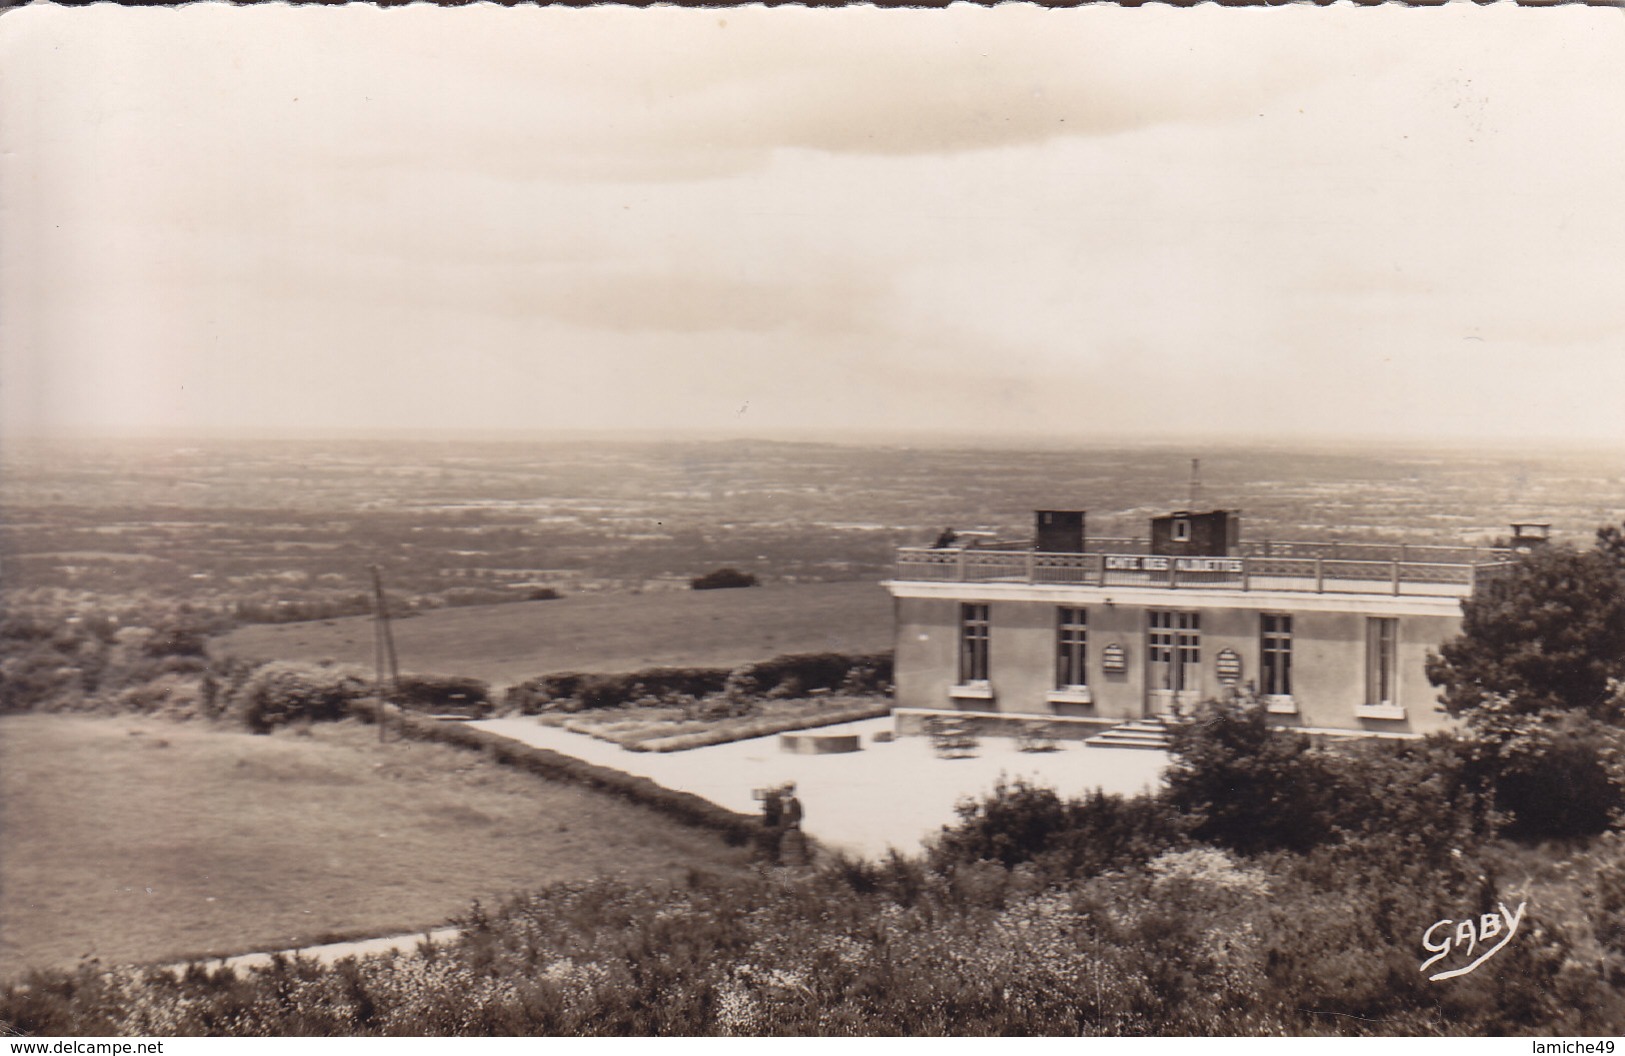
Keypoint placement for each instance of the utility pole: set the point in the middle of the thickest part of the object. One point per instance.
(383, 649)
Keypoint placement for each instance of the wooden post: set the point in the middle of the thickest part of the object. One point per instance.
(383, 649)
(1032, 563)
(1320, 575)
(1396, 577)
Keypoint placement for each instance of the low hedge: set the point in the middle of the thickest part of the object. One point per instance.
(792, 675)
(443, 693)
(572, 691)
(735, 829)
(796, 674)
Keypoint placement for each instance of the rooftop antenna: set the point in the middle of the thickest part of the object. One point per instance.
(383, 649)
(1196, 483)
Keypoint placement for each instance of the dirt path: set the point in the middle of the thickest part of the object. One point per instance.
(334, 952)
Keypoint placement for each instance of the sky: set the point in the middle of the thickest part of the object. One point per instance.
(1295, 223)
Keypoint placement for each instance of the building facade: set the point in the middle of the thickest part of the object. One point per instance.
(1333, 636)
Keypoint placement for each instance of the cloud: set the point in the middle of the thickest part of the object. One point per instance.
(689, 303)
(672, 94)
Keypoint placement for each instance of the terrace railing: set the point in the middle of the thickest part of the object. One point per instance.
(1419, 573)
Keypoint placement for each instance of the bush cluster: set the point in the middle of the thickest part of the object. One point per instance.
(283, 692)
(1250, 787)
(1196, 941)
(1025, 824)
(1548, 774)
(63, 659)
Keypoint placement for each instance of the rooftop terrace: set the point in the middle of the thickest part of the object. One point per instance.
(1319, 568)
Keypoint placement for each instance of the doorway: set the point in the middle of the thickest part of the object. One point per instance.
(1174, 656)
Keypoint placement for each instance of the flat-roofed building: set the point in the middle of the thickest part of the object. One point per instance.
(1334, 636)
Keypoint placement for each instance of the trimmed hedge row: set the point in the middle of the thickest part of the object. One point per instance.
(735, 829)
(792, 675)
(572, 691)
(796, 674)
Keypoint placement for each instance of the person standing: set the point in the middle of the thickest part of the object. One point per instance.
(792, 808)
(793, 845)
(772, 822)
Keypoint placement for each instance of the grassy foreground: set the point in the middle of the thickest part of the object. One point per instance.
(599, 633)
(131, 839)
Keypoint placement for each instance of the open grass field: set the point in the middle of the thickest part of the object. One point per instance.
(137, 840)
(602, 633)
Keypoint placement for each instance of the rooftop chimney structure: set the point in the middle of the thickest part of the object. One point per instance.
(1058, 531)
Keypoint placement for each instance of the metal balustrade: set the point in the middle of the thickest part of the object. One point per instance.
(1317, 573)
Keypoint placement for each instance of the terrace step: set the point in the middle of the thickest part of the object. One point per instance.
(1150, 734)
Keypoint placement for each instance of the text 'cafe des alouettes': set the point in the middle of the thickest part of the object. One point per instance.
(1089, 632)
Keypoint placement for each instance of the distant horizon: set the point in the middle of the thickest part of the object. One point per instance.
(1192, 444)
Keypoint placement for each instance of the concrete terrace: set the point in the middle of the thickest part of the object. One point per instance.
(889, 795)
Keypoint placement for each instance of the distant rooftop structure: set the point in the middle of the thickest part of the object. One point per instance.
(1526, 535)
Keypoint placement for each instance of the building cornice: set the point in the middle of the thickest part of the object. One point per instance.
(1187, 598)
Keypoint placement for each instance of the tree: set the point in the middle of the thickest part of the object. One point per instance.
(1547, 634)
(1537, 674)
(721, 579)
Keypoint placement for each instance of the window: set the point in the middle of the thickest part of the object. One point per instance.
(973, 639)
(1381, 662)
(1182, 530)
(1275, 655)
(1071, 648)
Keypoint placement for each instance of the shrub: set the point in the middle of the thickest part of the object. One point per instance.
(282, 692)
(1554, 773)
(1021, 822)
(1424, 788)
(722, 579)
(1247, 786)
